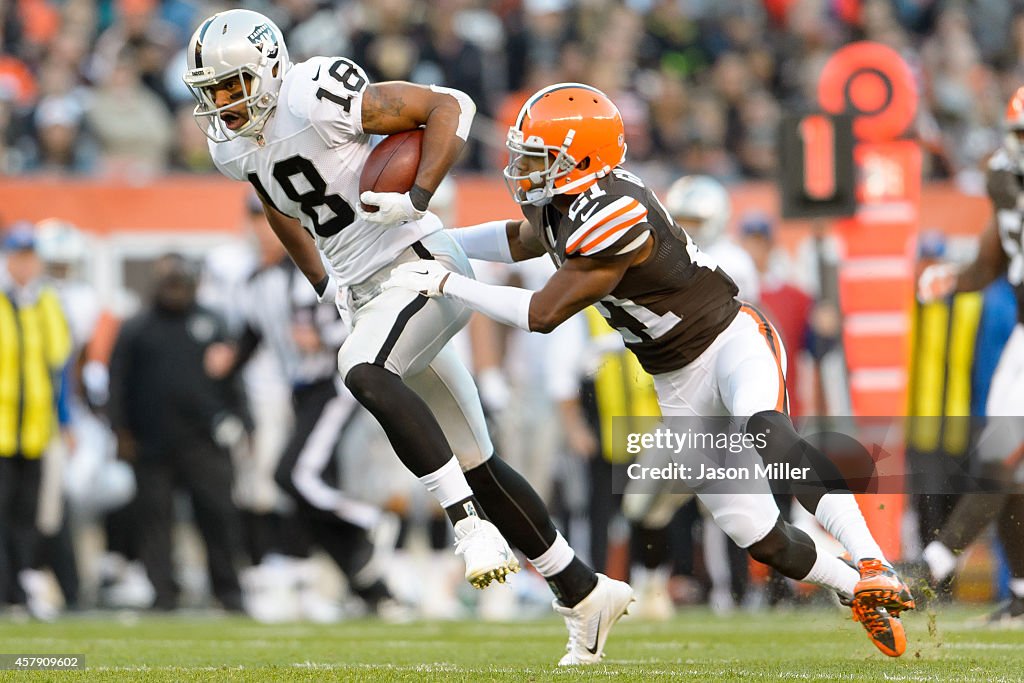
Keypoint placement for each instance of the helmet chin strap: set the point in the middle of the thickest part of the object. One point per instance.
(538, 196)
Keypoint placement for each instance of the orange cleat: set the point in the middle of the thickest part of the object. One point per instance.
(884, 630)
(880, 586)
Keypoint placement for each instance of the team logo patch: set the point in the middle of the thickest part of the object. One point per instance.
(260, 33)
(262, 36)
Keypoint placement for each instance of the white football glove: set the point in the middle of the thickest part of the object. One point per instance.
(341, 302)
(424, 277)
(394, 208)
(937, 281)
(330, 290)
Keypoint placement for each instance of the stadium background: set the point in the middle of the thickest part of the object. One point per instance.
(96, 127)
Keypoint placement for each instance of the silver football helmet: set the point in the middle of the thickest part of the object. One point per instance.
(236, 43)
(700, 199)
(59, 241)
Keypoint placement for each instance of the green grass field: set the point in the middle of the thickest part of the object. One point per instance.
(816, 645)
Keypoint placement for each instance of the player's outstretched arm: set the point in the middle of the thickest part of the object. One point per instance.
(393, 107)
(578, 283)
(499, 241)
(300, 247)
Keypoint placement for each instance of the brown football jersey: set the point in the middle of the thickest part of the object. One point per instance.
(670, 307)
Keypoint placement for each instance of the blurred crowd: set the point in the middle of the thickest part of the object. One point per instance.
(94, 88)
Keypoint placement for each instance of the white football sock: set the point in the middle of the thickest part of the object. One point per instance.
(1017, 587)
(831, 572)
(841, 517)
(940, 560)
(448, 484)
(555, 559)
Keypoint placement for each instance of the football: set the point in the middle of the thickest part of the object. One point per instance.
(392, 165)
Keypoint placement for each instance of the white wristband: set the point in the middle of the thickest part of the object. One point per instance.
(330, 292)
(486, 242)
(507, 305)
(467, 110)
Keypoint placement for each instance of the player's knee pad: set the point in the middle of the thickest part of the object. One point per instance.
(786, 549)
(771, 549)
(779, 436)
(369, 384)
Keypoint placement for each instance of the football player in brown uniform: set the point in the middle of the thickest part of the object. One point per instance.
(616, 248)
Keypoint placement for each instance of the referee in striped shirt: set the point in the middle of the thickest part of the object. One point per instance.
(282, 313)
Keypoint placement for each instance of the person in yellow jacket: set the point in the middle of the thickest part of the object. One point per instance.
(34, 348)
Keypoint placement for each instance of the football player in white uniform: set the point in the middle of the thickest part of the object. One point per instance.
(1001, 444)
(617, 248)
(300, 134)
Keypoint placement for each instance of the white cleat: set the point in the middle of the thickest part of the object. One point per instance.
(590, 621)
(487, 554)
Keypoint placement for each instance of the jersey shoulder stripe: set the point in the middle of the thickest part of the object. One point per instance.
(594, 232)
(614, 237)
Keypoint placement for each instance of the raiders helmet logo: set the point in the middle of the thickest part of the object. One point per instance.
(263, 37)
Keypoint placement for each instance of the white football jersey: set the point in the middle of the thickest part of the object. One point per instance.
(308, 165)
